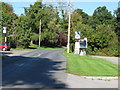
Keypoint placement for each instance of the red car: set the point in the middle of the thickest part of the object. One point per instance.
(4, 46)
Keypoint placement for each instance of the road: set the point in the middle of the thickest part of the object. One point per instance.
(114, 60)
(44, 69)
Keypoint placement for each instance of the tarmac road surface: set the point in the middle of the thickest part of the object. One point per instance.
(44, 69)
(114, 60)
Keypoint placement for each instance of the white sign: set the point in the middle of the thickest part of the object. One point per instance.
(4, 29)
(77, 45)
(77, 34)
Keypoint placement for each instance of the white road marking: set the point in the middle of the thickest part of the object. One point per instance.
(39, 55)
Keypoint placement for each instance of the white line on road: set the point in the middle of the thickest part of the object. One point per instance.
(39, 55)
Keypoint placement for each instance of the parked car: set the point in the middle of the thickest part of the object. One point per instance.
(4, 46)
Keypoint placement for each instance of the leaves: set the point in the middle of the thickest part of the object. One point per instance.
(99, 28)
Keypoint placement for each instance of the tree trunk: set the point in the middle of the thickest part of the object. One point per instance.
(31, 42)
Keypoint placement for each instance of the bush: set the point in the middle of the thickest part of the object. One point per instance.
(72, 46)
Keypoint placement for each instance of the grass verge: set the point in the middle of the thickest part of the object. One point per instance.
(89, 66)
(35, 47)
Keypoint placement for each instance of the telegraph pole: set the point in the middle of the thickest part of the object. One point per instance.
(68, 44)
(40, 33)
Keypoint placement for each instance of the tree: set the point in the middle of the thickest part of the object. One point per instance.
(34, 37)
(76, 21)
(22, 32)
(35, 13)
(51, 22)
(101, 15)
(117, 29)
(84, 15)
(8, 17)
(104, 38)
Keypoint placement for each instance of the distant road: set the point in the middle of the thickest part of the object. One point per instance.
(45, 69)
(114, 60)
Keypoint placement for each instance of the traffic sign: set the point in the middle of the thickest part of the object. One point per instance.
(77, 34)
(4, 29)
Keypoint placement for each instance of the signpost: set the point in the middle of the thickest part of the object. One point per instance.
(5, 31)
(77, 44)
(77, 34)
(77, 47)
(83, 43)
(80, 44)
(83, 46)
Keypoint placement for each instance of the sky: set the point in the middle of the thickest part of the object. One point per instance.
(88, 6)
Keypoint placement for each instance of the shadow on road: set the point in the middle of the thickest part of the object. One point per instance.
(5, 52)
(30, 72)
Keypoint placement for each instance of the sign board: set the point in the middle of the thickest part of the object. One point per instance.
(83, 43)
(77, 34)
(77, 51)
(77, 48)
(4, 29)
(77, 45)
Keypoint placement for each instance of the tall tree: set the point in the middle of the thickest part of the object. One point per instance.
(84, 15)
(50, 22)
(117, 12)
(101, 15)
(8, 17)
(22, 32)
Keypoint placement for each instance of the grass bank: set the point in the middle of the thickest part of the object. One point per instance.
(89, 66)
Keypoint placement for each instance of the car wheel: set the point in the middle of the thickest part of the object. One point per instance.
(3, 49)
(8, 49)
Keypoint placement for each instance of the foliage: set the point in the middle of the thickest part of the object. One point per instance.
(101, 15)
(50, 22)
(101, 38)
(101, 29)
(117, 29)
(84, 15)
(8, 17)
(76, 21)
(34, 36)
(22, 32)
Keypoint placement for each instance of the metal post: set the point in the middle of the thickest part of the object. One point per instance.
(5, 39)
(68, 44)
(40, 33)
(5, 32)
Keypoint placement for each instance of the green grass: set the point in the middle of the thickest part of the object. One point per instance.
(35, 47)
(89, 66)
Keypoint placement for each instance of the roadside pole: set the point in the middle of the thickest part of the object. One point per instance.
(40, 33)
(5, 31)
(68, 44)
